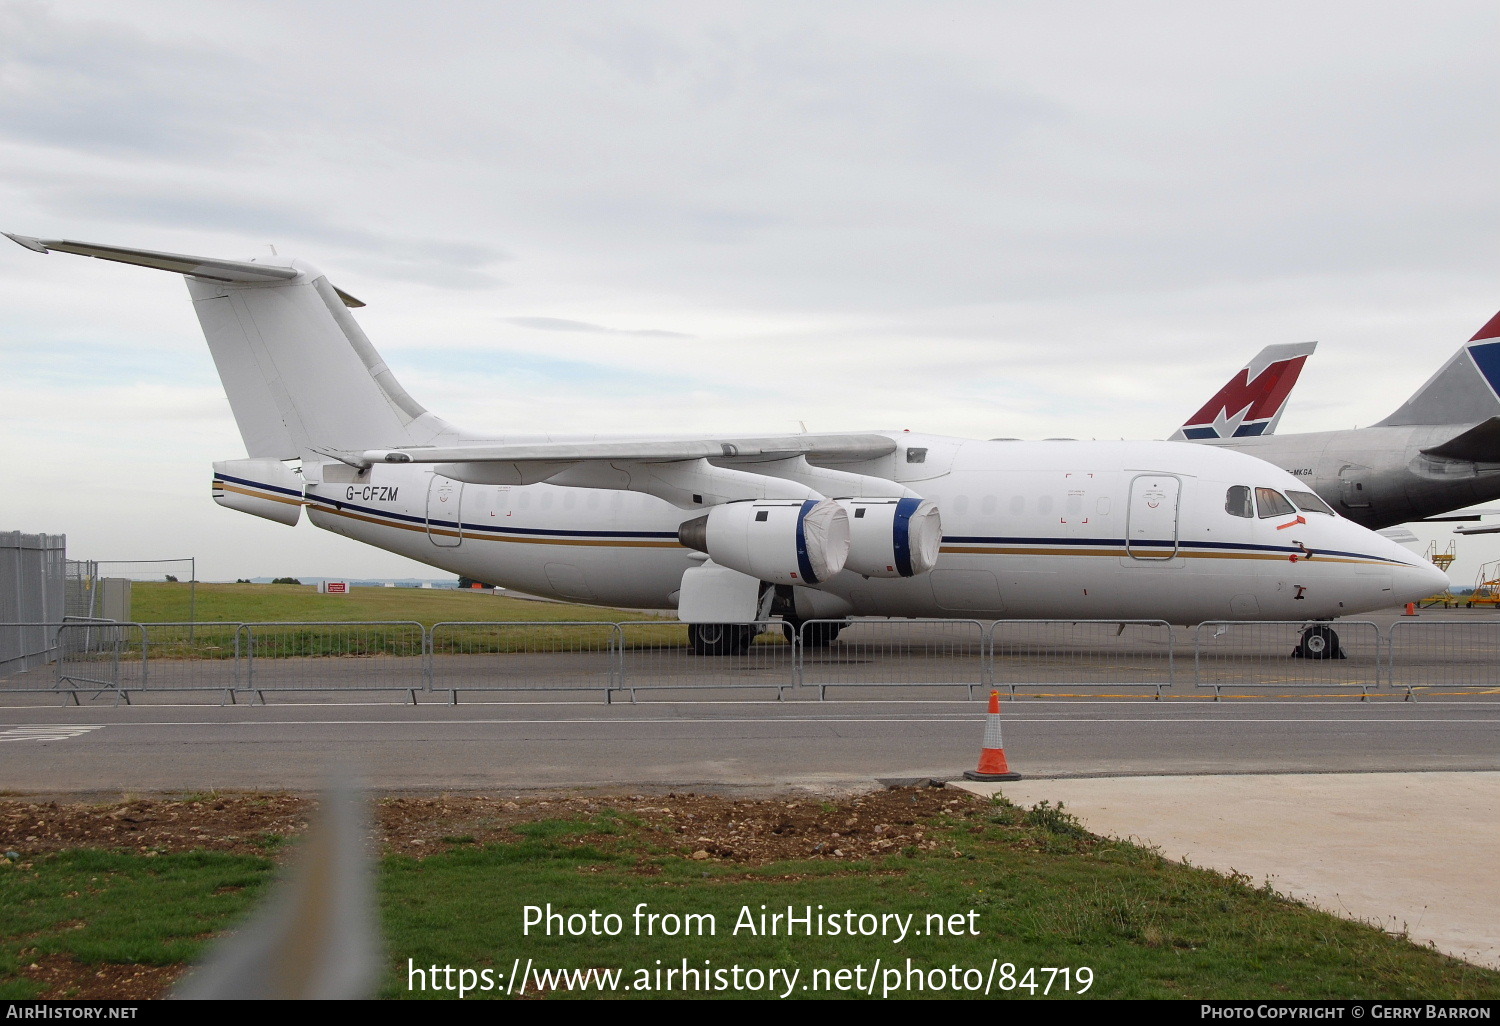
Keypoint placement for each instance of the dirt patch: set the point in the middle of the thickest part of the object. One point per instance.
(694, 826)
(63, 977)
(701, 826)
(246, 824)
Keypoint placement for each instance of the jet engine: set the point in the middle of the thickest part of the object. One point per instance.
(781, 541)
(893, 537)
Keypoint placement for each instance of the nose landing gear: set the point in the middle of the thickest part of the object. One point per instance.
(1319, 641)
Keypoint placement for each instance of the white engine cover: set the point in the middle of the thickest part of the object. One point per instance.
(776, 540)
(263, 488)
(893, 537)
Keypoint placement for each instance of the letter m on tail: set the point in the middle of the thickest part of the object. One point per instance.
(1252, 401)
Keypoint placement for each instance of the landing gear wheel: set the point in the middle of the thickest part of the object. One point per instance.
(720, 639)
(1319, 642)
(814, 635)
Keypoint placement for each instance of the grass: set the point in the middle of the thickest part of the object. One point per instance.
(1046, 893)
(105, 908)
(157, 602)
(223, 605)
(1043, 892)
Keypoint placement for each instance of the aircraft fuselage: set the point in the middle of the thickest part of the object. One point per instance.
(1106, 530)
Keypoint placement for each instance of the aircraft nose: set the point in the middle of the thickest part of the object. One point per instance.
(1414, 582)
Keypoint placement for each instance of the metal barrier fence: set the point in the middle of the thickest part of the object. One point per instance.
(658, 655)
(562, 656)
(99, 656)
(1287, 654)
(1083, 653)
(1443, 653)
(333, 656)
(886, 653)
(100, 659)
(118, 658)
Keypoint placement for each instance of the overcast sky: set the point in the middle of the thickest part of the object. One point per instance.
(986, 219)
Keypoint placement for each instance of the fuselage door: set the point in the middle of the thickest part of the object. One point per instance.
(1151, 523)
(444, 499)
(1354, 485)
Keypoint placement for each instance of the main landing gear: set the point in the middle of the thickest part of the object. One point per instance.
(815, 634)
(727, 639)
(720, 639)
(1319, 641)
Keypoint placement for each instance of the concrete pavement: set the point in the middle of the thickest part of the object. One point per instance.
(1417, 853)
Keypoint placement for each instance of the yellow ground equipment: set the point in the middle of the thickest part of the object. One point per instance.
(1486, 586)
(1442, 560)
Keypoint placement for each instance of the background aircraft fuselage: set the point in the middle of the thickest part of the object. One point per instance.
(1379, 476)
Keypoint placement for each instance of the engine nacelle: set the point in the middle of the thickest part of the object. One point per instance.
(893, 537)
(777, 540)
(260, 487)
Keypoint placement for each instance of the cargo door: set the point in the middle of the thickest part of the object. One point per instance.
(444, 511)
(1151, 520)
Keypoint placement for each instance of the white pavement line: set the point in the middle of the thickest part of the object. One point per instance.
(48, 732)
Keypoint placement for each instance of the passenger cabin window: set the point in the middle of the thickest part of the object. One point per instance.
(1309, 503)
(1272, 503)
(1238, 502)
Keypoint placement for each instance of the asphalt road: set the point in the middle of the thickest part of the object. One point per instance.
(728, 744)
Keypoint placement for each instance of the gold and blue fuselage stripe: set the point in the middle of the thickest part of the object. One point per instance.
(1151, 550)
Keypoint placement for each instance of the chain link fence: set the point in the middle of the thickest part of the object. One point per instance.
(95, 659)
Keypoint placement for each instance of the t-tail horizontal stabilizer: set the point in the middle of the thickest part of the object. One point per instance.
(299, 373)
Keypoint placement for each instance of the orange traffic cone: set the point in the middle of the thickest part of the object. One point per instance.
(992, 764)
(1411, 609)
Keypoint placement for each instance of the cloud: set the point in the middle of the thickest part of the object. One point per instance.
(559, 324)
(99, 87)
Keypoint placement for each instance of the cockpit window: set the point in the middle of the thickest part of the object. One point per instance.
(1272, 503)
(1309, 503)
(1238, 502)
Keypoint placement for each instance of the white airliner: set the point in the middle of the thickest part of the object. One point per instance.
(731, 530)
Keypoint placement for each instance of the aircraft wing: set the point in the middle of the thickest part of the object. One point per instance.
(834, 448)
(687, 472)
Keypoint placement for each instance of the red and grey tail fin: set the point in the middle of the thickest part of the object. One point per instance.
(1465, 390)
(1252, 401)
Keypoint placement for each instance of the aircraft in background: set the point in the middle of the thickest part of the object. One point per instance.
(1252, 401)
(1438, 453)
(731, 530)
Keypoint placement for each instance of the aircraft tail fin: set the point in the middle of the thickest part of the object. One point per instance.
(1465, 390)
(300, 374)
(1251, 402)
